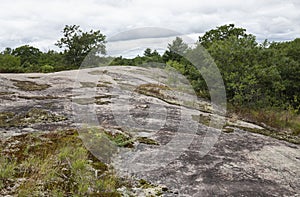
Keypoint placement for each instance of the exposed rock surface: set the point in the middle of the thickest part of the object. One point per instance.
(175, 144)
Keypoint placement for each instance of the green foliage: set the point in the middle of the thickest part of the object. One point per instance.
(147, 52)
(28, 59)
(7, 51)
(53, 164)
(221, 33)
(27, 54)
(9, 64)
(47, 68)
(53, 59)
(7, 170)
(79, 44)
(175, 50)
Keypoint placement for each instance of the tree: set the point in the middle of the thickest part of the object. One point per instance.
(9, 64)
(175, 50)
(79, 44)
(7, 51)
(147, 52)
(29, 55)
(221, 33)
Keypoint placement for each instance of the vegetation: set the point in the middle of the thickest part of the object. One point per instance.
(53, 164)
(29, 85)
(261, 79)
(79, 44)
(32, 116)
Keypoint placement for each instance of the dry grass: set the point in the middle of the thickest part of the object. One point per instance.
(53, 164)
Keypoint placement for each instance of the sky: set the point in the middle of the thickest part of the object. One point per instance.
(39, 23)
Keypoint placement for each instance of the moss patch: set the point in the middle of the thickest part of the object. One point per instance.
(121, 139)
(146, 140)
(88, 101)
(104, 96)
(5, 118)
(151, 89)
(33, 77)
(32, 116)
(102, 85)
(87, 84)
(46, 97)
(145, 184)
(202, 119)
(281, 135)
(6, 93)
(100, 102)
(156, 191)
(228, 130)
(98, 72)
(29, 85)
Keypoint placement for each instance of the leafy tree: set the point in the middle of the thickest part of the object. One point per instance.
(287, 61)
(7, 51)
(221, 33)
(9, 64)
(47, 68)
(29, 55)
(79, 44)
(54, 59)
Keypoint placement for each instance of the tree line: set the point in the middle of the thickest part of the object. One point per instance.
(255, 74)
(76, 45)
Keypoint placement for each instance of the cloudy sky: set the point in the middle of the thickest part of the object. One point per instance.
(39, 22)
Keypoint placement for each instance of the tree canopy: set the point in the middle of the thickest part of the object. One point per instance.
(79, 44)
(221, 33)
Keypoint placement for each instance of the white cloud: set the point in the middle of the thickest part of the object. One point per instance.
(39, 22)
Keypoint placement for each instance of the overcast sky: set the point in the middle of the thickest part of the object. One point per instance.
(40, 22)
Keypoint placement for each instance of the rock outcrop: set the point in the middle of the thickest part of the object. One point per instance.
(150, 126)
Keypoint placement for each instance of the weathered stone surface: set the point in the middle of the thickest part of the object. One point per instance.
(142, 103)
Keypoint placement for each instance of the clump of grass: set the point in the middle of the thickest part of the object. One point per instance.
(29, 85)
(120, 139)
(279, 124)
(54, 164)
(7, 171)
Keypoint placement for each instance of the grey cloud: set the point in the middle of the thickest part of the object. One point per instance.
(146, 32)
(40, 22)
